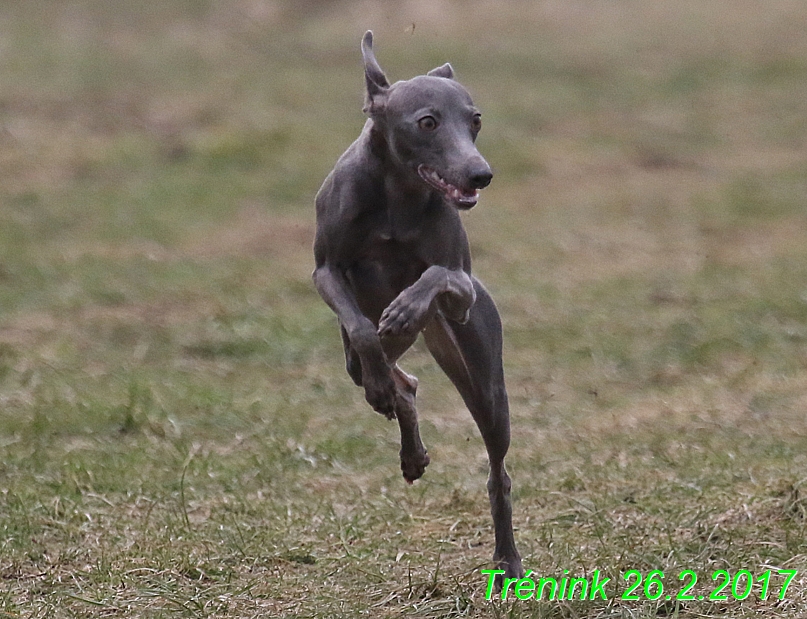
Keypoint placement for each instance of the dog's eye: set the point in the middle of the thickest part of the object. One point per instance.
(476, 122)
(427, 123)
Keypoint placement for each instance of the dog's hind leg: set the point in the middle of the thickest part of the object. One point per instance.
(414, 458)
(471, 355)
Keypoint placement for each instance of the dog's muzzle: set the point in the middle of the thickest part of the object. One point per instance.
(458, 196)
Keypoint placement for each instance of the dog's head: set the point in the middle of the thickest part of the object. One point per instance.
(430, 125)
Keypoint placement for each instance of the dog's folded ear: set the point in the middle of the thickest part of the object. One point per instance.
(446, 71)
(377, 83)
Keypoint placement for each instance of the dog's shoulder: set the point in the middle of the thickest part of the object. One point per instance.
(354, 179)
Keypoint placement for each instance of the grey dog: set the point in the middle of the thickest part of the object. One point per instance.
(392, 261)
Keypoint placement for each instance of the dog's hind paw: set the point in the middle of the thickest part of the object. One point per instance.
(414, 467)
(512, 570)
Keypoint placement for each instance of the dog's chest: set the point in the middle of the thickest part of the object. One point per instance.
(396, 254)
(386, 264)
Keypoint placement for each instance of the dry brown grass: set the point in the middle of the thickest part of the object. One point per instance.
(177, 434)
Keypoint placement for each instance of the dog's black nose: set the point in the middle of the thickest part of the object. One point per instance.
(481, 179)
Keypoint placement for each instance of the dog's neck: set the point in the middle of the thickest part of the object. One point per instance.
(408, 197)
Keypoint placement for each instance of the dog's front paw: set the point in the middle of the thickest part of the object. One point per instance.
(407, 314)
(380, 393)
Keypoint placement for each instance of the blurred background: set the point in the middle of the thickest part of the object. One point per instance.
(177, 432)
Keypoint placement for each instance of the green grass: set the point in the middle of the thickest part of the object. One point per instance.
(178, 437)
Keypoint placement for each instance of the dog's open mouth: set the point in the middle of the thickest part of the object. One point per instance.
(462, 198)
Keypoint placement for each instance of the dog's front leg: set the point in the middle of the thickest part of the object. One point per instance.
(379, 386)
(409, 312)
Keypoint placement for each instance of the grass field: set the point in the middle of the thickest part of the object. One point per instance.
(178, 437)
